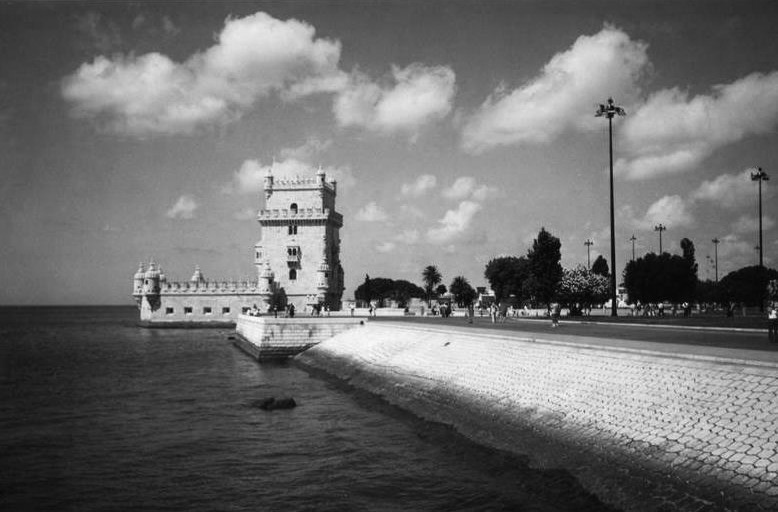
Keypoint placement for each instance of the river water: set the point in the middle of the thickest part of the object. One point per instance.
(99, 414)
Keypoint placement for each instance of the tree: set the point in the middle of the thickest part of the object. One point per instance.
(657, 278)
(506, 275)
(383, 289)
(748, 284)
(600, 266)
(441, 290)
(464, 294)
(431, 277)
(546, 271)
(580, 288)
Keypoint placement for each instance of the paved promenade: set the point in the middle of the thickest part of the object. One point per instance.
(736, 343)
(697, 420)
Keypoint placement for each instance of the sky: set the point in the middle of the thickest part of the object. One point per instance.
(456, 130)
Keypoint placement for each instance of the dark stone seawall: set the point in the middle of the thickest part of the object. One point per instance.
(641, 431)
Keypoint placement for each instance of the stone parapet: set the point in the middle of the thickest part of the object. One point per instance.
(266, 337)
(704, 423)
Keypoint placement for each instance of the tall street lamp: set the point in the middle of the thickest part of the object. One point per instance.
(660, 228)
(588, 243)
(716, 242)
(759, 176)
(610, 110)
(632, 239)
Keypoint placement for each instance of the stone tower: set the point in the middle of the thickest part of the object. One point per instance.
(301, 240)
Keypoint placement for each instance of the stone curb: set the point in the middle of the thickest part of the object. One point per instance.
(659, 326)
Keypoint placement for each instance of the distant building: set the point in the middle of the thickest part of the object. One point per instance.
(297, 262)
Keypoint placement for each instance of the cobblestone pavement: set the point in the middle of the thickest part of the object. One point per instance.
(706, 422)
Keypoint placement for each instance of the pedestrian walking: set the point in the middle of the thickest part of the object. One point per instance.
(772, 323)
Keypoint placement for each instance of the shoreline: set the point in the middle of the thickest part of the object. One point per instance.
(476, 391)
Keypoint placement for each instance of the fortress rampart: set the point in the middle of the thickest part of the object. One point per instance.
(700, 427)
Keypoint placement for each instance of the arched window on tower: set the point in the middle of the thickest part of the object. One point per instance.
(293, 207)
(292, 230)
(292, 274)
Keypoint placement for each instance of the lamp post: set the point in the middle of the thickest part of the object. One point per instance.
(610, 110)
(716, 242)
(632, 239)
(588, 243)
(660, 228)
(759, 176)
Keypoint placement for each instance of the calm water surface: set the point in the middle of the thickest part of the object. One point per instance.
(98, 414)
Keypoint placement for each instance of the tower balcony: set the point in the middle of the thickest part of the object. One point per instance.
(283, 215)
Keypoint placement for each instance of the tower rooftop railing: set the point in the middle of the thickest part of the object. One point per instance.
(302, 184)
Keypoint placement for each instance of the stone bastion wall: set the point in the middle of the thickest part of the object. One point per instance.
(266, 337)
(704, 431)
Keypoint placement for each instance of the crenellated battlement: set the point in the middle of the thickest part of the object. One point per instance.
(299, 183)
(209, 287)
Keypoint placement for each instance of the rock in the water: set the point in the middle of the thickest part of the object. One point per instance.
(270, 404)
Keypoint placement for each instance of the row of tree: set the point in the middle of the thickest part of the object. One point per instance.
(538, 278)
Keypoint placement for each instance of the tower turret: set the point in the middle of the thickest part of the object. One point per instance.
(137, 280)
(323, 274)
(150, 298)
(269, 181)
(197, 277)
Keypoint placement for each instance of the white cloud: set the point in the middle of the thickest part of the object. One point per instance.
(371, 212)
(419, 187)
(727, 190)
(672, 133)
(672, 211)
(669, 210)
(183, 208)
(417, 95)
(563, 96)
(467, 187)
(249, 179)
(254, 56)
(460, 189)
(749, 224)
(454, 223)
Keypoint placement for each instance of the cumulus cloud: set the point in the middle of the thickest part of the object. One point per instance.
(417, 95)
(672, 133)
(250, 178)
(563, 95)
(245, 214)
(420, 186)
(671, 211)
(371, 212)
(466, 187)
(727, 190)
(453, 223)
(254, 56)
(183, 208)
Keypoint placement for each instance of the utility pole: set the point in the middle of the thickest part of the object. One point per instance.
(716, 242)
(632, 239)
(588, 243)
(660, 228)
(609, 111)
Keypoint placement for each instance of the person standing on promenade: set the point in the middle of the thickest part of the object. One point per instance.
(772, 323)
(556, 312)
